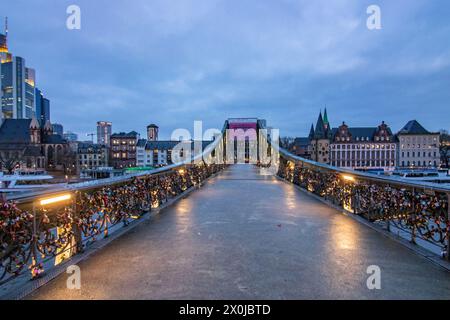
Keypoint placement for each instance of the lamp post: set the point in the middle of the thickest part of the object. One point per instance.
(37, 268)
(351, 180)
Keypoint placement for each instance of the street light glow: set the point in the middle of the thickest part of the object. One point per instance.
(348, 178)
(61, 198)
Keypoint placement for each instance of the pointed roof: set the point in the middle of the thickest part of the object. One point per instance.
(48, 126)
(311, 132)
(319, 133)
(413, 127)
(13, 131)
(325, 118)
(34, 124)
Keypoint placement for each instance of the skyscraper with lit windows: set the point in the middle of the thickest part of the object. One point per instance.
(104, 130)
(17, 83)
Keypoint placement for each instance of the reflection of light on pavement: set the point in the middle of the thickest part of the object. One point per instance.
(344, 237)
(291, 200)
(183, 217)
(183, 207)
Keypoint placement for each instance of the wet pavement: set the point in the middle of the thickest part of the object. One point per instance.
(248, 236)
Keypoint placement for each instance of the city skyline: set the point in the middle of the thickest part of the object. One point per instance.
(301, 59)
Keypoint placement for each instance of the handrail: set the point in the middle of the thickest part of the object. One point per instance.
(121, 179)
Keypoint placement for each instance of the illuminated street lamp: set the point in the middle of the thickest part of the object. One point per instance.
(348, 178)
(37, 268)
(56, 199)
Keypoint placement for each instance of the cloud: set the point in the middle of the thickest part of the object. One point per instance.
(172, 62)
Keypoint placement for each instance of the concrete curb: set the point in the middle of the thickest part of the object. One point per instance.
(435, 259)
(32, 285)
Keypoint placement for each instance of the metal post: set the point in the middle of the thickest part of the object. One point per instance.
(448, 227)
(75, 227)
(34, 263)
(413, 231)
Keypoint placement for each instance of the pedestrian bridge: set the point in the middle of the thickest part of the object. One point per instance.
(246, 235)
(286, 228)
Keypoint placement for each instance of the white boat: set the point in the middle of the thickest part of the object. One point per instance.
(27, 181)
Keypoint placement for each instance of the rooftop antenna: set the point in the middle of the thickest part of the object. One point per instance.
(6, 26)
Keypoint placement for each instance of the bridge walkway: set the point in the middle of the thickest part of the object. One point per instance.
(249, 236)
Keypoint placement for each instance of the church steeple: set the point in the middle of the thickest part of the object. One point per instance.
(35, 131)
(319, 133)
(311, 132)
(48, 129)
(325, 119)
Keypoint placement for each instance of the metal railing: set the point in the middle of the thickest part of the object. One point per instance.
(416, 210)
(42, 229)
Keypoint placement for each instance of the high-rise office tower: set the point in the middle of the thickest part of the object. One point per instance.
(152, 132)
(17, 83)
(58, 129)
(42, 108)
(104, 130)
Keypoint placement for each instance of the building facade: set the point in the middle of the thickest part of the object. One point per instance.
(25, 144)
(418, 148)
(152, 132)
(92, 156)
(104, 131)
(364, 148)
(301, 147)
(123, 149)
(161, 153)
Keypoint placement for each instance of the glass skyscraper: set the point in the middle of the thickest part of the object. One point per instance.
(42, 108)
(17, 84)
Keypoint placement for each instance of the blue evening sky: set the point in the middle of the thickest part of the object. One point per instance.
(171, 62)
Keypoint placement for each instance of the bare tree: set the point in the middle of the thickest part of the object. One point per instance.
(69, 161)
(11, 159)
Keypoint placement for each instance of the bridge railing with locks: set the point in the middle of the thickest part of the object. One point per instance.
(418, 211)
(43, 229)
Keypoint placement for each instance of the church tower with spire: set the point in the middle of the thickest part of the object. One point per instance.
(321, 139)
(326, 123)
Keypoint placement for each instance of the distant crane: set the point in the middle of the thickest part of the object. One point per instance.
(92, 136)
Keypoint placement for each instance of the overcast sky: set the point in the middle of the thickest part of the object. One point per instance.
(171, 62)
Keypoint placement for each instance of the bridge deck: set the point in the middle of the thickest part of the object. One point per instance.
(244, 236)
